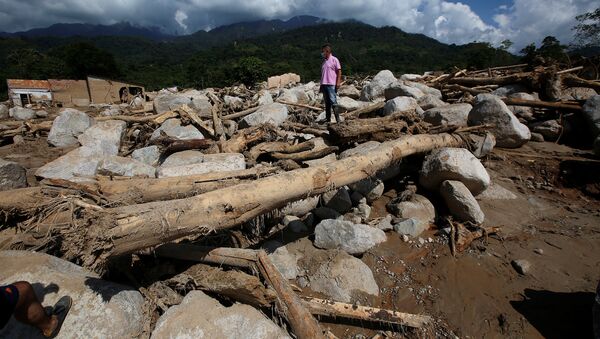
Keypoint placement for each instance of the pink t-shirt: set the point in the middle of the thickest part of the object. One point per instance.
(329, 70)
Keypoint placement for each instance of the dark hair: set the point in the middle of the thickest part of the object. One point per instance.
(327, 46)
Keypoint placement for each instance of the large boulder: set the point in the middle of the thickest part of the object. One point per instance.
(234, 103)
(377, 86)
(343, 278)
(345, 104)
(104, 137)
(425, 89)
(275, 114)
(349, 91)
(12, 175)
(214, 321)
(411, 227)
(430, 101)
(461, 203)
(455, 114)
(417, 207)
(194, 162)
(263, 98)
(400, 89)
(21, 113)
(125, 167)
(148, 155)
(402, 104)
(173, 128)
(101, 309)
(4, 111)
(507, 90)
(578, 93)
(196, 100)
(347, 236)
(490, 109)
(454, 164)
(80, 164)
(285, 262)
(591, 114)
(67, 127)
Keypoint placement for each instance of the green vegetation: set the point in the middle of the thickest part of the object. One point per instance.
(205, 60)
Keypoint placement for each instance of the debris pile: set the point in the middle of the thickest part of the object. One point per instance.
(188, 198)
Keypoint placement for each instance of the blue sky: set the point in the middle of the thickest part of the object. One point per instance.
(522, 21)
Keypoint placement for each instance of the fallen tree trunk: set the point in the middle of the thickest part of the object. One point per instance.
(306, 155)
(240, 114)
(574, 81)
(156, 119)
(505, 80)
(278, 146)
(295, 127)
(389, 127)
(123, 230)
(365, 110)
(541, 104)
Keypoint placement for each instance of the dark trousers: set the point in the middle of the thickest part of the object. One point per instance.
(329, 96)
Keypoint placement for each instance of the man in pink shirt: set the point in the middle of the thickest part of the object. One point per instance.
(331, 75)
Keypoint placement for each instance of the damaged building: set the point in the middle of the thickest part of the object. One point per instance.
(72, 93)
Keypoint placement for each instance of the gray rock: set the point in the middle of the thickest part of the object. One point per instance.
(482, 144)
(147, 155)
(363, 210)
(294, 224)
(80, 164)
(370, 188)
(490, 109)
(411, 227)
(377, 86)
(455, 114)
(429, 101)
(301, 207)
(401, 104)
(101, 309)
(343, 278)
(550, 129)
(217, 321)
(275, 114)
(12, 175)
(347, 236)
(67, 127)
(507, 90)
(126, 167)
(4, 111)
(461, 203)
(285, 262)
(349, 91)
(337, 200)
(111, 111)
(196, 100)
(324, 213)
(400, 89)
(234, 103)
(194, 162)
(287, 95)
(385, 223)
(346, 104)
(522, 266)
(18, 139)
(578, 93)
(174, 129)
(418, 207)
(454, 164)
(522, 111)
(104, 137)
(411, 77)
(591, 114)
(264, 98)
(536, 137)
(21, 113)
(41, 114)
(425, 89)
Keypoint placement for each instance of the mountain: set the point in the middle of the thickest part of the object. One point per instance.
(90, 30)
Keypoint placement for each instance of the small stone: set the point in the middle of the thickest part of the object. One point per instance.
(418, 207)
(421, 241)
(324, 213)
(539, 251)
(12, 175)
(461, 202)
(21, 113)
(537, 137)
(405, 238)
(338, 200)
(522, 266)
(410, 226)
(385, 224)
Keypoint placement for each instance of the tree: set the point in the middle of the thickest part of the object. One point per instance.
(587, 32)
(506, 44)
(83, 59)
(248, 70)
(552, 49)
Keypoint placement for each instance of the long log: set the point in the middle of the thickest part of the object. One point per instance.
(240, 114)
(156, 119)
(121, 230)
(371, 108)
(336, 309)
(541, 104)
(360, 129)
(574, 81)
(278, 146)
(303, 324)
(306, 155)
(237, 257)
(314, 108)
(504, 80)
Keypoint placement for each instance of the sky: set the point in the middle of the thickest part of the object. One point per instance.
(521, 21)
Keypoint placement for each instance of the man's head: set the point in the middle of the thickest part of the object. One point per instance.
(326, 51)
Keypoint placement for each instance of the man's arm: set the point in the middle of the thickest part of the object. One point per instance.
(338, 80)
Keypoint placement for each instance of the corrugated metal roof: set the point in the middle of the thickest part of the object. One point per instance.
(28, 84)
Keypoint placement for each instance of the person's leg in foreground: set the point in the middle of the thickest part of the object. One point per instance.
(19, 299)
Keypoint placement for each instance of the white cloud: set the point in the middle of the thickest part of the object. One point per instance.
(523, 22)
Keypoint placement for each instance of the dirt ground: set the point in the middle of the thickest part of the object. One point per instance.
(554, 224)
